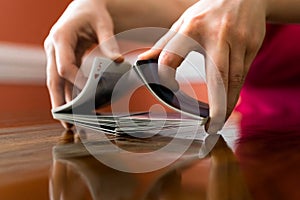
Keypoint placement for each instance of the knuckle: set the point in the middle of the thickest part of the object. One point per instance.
(224, 28)
(226, 25)
(47, 44)
(254, 44)
(255, 41)
(192, 25)
(241, 35)
(221, 77)
(236, 80)
(229, 29)
(62, 70)
(51, 83)
(166, 59)
(56, 34)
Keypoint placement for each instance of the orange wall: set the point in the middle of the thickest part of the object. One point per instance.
(28, 21)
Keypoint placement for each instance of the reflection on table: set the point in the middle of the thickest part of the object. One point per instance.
(258, 164)
(215, 176)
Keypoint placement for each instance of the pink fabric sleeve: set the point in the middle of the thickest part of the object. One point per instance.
(270, 98)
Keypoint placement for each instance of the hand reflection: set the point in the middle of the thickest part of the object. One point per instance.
(226, 180)
(65, 183)
(78, 175)
(218, 174)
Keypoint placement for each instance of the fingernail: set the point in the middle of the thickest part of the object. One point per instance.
(144, 55)
(118, 58)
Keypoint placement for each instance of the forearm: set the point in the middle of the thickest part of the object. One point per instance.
(286, 11)
(128, 14)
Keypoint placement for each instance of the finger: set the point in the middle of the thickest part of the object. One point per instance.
(109, 47)
(236, 77)
(66, 61)
(154, 52)
(171, 57)
(217, 63)
(55, 83)
(173, 54)
(249, 57)
(106, 38)
(69, 94)
(177, 48)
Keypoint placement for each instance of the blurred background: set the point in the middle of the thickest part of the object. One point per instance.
(24, 26)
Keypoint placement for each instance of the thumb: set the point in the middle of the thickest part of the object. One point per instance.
(109, 47)
(106, 39)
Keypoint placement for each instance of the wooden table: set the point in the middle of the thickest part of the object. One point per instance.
(27, 134)
(39, 159)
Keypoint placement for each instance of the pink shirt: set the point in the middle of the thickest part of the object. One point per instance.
(270, 98)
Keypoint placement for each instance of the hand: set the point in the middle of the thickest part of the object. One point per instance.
(83, 24)
(231, 33)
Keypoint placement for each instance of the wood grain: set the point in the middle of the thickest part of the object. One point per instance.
(264, 165)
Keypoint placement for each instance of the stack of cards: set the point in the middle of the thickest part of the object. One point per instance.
(103, 87)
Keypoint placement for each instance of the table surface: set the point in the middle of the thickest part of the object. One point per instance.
(41, 160)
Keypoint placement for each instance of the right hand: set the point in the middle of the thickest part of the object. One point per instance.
(229, 34)
(83, 24)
